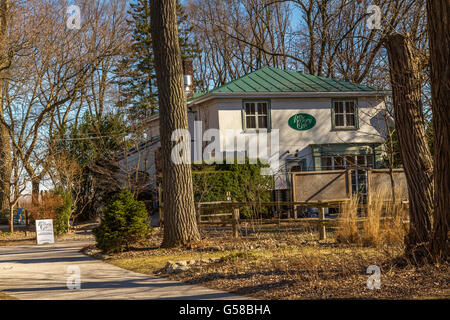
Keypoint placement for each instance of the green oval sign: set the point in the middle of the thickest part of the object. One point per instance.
(302, 121)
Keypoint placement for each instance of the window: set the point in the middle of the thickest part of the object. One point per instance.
(339, 162)
(326, 163)
(299, 166)
(344, 114)
(256, 115)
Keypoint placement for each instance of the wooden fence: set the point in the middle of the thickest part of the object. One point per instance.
(233, 217)
(235, 220)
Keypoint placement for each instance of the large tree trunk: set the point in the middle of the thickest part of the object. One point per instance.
(439, 35)
(35, 191)
(5, 166)
(417, 162)
(180, 226)
(5, 147)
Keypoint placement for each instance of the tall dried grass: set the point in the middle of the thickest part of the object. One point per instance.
(382, 223)
(347, 231)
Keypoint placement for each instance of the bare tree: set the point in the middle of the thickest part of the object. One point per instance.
(48, 81)
(328, 37)
(180, 224)
(237, 37)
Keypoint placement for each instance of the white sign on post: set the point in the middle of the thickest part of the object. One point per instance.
(44, 231)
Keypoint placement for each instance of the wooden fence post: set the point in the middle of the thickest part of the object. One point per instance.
(294, 198)
(235, 222)
(198, 212)
(322, 230)
(160, 206)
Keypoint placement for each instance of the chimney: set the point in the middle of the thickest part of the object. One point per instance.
(188, 71)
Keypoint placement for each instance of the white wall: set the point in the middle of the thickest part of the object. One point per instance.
(230, 117)
(226, 114)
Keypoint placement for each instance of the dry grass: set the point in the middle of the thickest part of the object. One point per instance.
(347, 228)
(4, 296)
(290, 266)
(382, 224)
(152, 264)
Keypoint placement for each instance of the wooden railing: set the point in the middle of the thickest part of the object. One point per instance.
(235, 220)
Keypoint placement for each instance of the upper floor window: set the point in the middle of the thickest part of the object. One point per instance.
(256, 115)
(345, 115)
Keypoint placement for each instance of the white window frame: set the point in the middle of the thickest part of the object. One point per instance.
(344, 114)
(256, 115)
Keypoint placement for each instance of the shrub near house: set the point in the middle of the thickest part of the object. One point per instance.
(124, 222)
(244, 183)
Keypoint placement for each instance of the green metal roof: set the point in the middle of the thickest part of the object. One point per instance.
(270, 79)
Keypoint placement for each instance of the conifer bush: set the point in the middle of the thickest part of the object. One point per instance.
(123, 223)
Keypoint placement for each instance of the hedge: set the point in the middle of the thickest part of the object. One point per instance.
(243, 181)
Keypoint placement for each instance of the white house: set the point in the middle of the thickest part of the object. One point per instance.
(322, 123)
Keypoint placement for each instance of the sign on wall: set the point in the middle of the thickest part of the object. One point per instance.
(44, 231)
(302, 121)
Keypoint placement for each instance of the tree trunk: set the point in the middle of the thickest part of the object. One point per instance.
(35, 192)
(391, 166)
(180, 226)
(417, 162)
(11, 219)
(5, 147)
(438, 12)
(5, 166)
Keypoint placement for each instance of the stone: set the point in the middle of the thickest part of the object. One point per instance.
(181, 269)
(182, 263)
(174, 268)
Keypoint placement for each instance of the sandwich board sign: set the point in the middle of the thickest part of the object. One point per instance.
(44, 231)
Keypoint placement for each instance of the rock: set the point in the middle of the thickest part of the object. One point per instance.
(182, 263)
(174, 268)
(181, 269)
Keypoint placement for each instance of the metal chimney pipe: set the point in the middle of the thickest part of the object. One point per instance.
(188, 71)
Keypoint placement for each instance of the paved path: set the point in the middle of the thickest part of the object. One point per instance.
(40, 273)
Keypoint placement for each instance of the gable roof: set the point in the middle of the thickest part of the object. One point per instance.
(276, 81)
